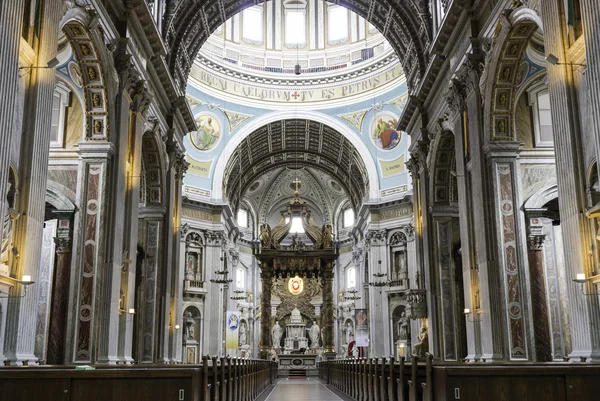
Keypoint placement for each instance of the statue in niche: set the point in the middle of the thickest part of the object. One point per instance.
(7, 228)
(355, 352)
(403, 327)
(349, 333)
(276, 333)
(189, 326)
(314, 333)
(422, 347)
(242, 341)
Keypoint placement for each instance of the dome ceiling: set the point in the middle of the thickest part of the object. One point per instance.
(296, 143)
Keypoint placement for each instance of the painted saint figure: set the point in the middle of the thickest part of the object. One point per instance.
(385, 134)
(208, 133)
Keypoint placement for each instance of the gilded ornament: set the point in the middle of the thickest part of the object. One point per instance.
(85, 49)
(96, 100)
(97, 127)
(92, 75)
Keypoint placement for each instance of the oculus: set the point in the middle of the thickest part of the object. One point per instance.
(296, 285)
(208, 134)
(383, 131)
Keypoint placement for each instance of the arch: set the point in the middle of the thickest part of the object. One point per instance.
(56, 198)
(152, 171)
(443, 185)
(404, 24)
(504, 59)
(90, 53)
(229, 150)
(541, 198)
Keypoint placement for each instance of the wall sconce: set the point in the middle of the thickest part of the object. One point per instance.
(25, 282)
(467, 312)
(51, 64)
(177, 327)
(130, 311)
(581, 279)
(552, 59)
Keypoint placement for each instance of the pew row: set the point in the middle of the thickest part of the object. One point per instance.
(216, 379)
(388, 380)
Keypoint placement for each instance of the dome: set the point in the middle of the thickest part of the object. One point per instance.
(284, 52)
(296, 317)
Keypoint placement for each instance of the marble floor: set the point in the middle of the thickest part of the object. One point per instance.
(301, 390)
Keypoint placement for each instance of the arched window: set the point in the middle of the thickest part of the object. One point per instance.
(539, 100)
(295, 23)
(351, 277)
(337, 24)
(253, 25)
(348, 218)
(242, 218)
(240, 278)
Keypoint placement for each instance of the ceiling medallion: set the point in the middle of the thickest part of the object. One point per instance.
(296, 285)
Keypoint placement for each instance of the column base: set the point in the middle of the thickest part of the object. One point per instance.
(584, 356)
(489, 358)
(111, 360)
(22, 360)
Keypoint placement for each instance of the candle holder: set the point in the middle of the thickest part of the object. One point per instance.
(238, 295)
(582, 279)
(467, 312)
(25, 282)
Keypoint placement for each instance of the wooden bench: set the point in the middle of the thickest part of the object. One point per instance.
(216, 379)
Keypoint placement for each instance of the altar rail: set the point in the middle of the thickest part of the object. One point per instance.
(216, 379)
(388, 380)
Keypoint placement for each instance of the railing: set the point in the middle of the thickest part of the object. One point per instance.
(216, 379)
(388, 380)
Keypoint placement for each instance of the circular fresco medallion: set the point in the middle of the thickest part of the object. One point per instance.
(295, 285)
(383, 131)
(208, 134)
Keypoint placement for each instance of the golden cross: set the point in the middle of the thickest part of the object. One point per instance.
(297, 182)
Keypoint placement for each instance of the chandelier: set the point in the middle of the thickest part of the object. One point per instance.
(353, 295)
(238, 295)
(380, 279)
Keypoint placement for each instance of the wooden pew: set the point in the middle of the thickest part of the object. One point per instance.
(213, 380)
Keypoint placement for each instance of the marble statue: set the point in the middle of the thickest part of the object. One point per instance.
(403, 326)
(276, 333)
(189, 326)
(242, 340)
(7, 228)
(314, 333)
(422, 347)
(355, 351)
(265, 236)
(327, 236)
(349, 333)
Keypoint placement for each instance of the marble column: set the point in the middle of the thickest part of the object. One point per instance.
(465, 98)
(590, 15)
(266, 277)
(60, 302)
(379, 328)
(327, 315)
(584, 312)
(139, 99)
(33, 171)
(539, 297)
(214, 316)
(11, 23)
(178, 264)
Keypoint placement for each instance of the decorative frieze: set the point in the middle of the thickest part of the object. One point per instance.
(376, 238)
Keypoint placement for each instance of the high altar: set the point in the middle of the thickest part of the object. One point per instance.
(313, 262)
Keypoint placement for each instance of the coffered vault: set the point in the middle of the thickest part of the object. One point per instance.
(189, 23)
(294, 143)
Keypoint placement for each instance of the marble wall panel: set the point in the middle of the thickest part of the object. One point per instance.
(447, 295)
(511, 265)
(149, 301)
(87, 283)
(44, 287)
